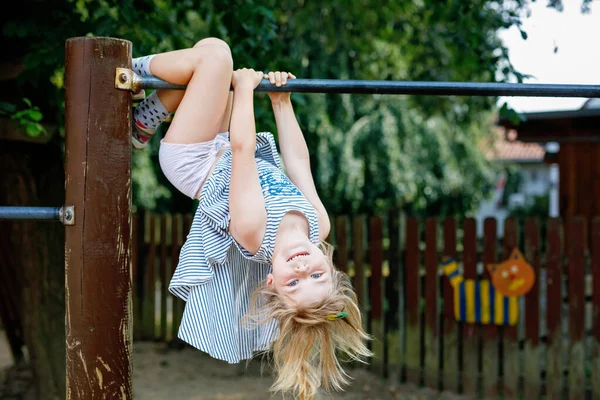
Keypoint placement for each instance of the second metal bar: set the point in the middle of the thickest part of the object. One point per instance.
(31, 213)
(407, 88)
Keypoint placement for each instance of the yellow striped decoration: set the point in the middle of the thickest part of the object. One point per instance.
(478, 301)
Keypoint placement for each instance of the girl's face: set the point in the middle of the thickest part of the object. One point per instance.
(301, 272)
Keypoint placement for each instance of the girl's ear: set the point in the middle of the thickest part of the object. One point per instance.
(269, 279)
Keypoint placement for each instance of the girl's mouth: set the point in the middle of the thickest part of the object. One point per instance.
(297, 255)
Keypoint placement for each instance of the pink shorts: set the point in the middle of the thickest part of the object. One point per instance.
(187, 166)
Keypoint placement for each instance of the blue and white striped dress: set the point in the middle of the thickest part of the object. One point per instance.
(216, 276)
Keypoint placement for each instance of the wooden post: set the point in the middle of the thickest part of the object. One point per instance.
(431, 339)
(470, 331)
(98, 246)
(489, 333)
(412, 294)
(532, 376)
(450, 337)
(554, 314)
(376, 291)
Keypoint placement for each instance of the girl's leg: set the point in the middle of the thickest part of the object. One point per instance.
(206, 69)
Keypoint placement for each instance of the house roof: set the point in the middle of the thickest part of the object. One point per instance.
(507, 149)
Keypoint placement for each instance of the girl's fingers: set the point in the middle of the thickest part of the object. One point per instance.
(284, 76)
(278, 78)
(292, 76)
(272, 78)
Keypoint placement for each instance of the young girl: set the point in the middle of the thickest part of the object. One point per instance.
(254, 270)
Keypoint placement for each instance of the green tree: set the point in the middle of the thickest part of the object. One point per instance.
(368, 152)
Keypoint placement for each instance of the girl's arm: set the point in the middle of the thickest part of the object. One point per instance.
(246, 203)
(294, 151)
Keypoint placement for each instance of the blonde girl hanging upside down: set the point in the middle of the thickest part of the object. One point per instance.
(254, 271)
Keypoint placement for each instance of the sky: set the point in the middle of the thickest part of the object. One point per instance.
(577, 61)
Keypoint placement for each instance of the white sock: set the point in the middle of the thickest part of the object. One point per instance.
(141, 65)
(151, 112)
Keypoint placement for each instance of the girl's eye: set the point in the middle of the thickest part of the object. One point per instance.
(317, 275)
(293, 283)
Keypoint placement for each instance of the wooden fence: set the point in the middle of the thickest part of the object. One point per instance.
(394, 262)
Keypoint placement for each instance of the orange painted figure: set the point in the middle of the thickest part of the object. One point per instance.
(513, 277)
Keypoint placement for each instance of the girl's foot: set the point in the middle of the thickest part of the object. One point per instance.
(140, 135)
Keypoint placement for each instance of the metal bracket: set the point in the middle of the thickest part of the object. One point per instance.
(126, 79)
(67, 215)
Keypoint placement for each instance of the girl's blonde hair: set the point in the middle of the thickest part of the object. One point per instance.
(304, 353)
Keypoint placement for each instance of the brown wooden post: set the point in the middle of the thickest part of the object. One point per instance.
(393, 346)
(490, 373)
(98, 246)
(163, 278)
(470, 331)
(554, 293)
(412, 347)
(450, 337)
(595, 339)
(510, 358)
(577, 246)
(431, 345)
(532, 375)
(376, 291)
(360, 280)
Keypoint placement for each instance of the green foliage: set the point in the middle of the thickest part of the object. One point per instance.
(368, 152)
(537, 206)
(29, 117)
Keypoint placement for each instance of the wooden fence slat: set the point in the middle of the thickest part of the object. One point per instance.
(177, 303)
(150, 276)
(431, 338)
(412, 367)
(576, 272)
(532, 376)
(375, 292)
(360, 280)
(163, 279)
(393, 349)
(470, 332)
(450, 365)
(341, 241)
(490, 373)
(510, 357)
(554, 364)
(134, 275)
(595, 339)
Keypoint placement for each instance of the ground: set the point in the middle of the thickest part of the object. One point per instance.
(162, 373)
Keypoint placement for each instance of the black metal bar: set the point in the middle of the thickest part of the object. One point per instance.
(405, 87)
(31, 213)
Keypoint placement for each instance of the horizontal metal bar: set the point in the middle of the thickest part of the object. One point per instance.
(62, 214)
(405, 87)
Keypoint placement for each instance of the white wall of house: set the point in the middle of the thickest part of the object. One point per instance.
(536, 182)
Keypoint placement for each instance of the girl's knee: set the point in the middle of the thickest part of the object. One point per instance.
(213, 42)
(215, 51)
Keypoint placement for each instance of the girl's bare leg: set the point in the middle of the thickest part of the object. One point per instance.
(203, 109)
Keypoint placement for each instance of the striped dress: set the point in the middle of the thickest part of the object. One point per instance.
(216, 276)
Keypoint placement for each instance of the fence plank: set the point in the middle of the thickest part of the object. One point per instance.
(490, 374)
(150, 281)
(392, 349)
(134, 275)
(341, 241)
(412, 367)
(450, 365)
(554, 364)
(175, 246)
(510, 356)
(431, 337)
(470, 332)
(532, 376)
(576, 271)
(375, 292)
(163, 276)
(360, 282)
(595, 339)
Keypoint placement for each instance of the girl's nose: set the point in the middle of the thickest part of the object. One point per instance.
(300, 267)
